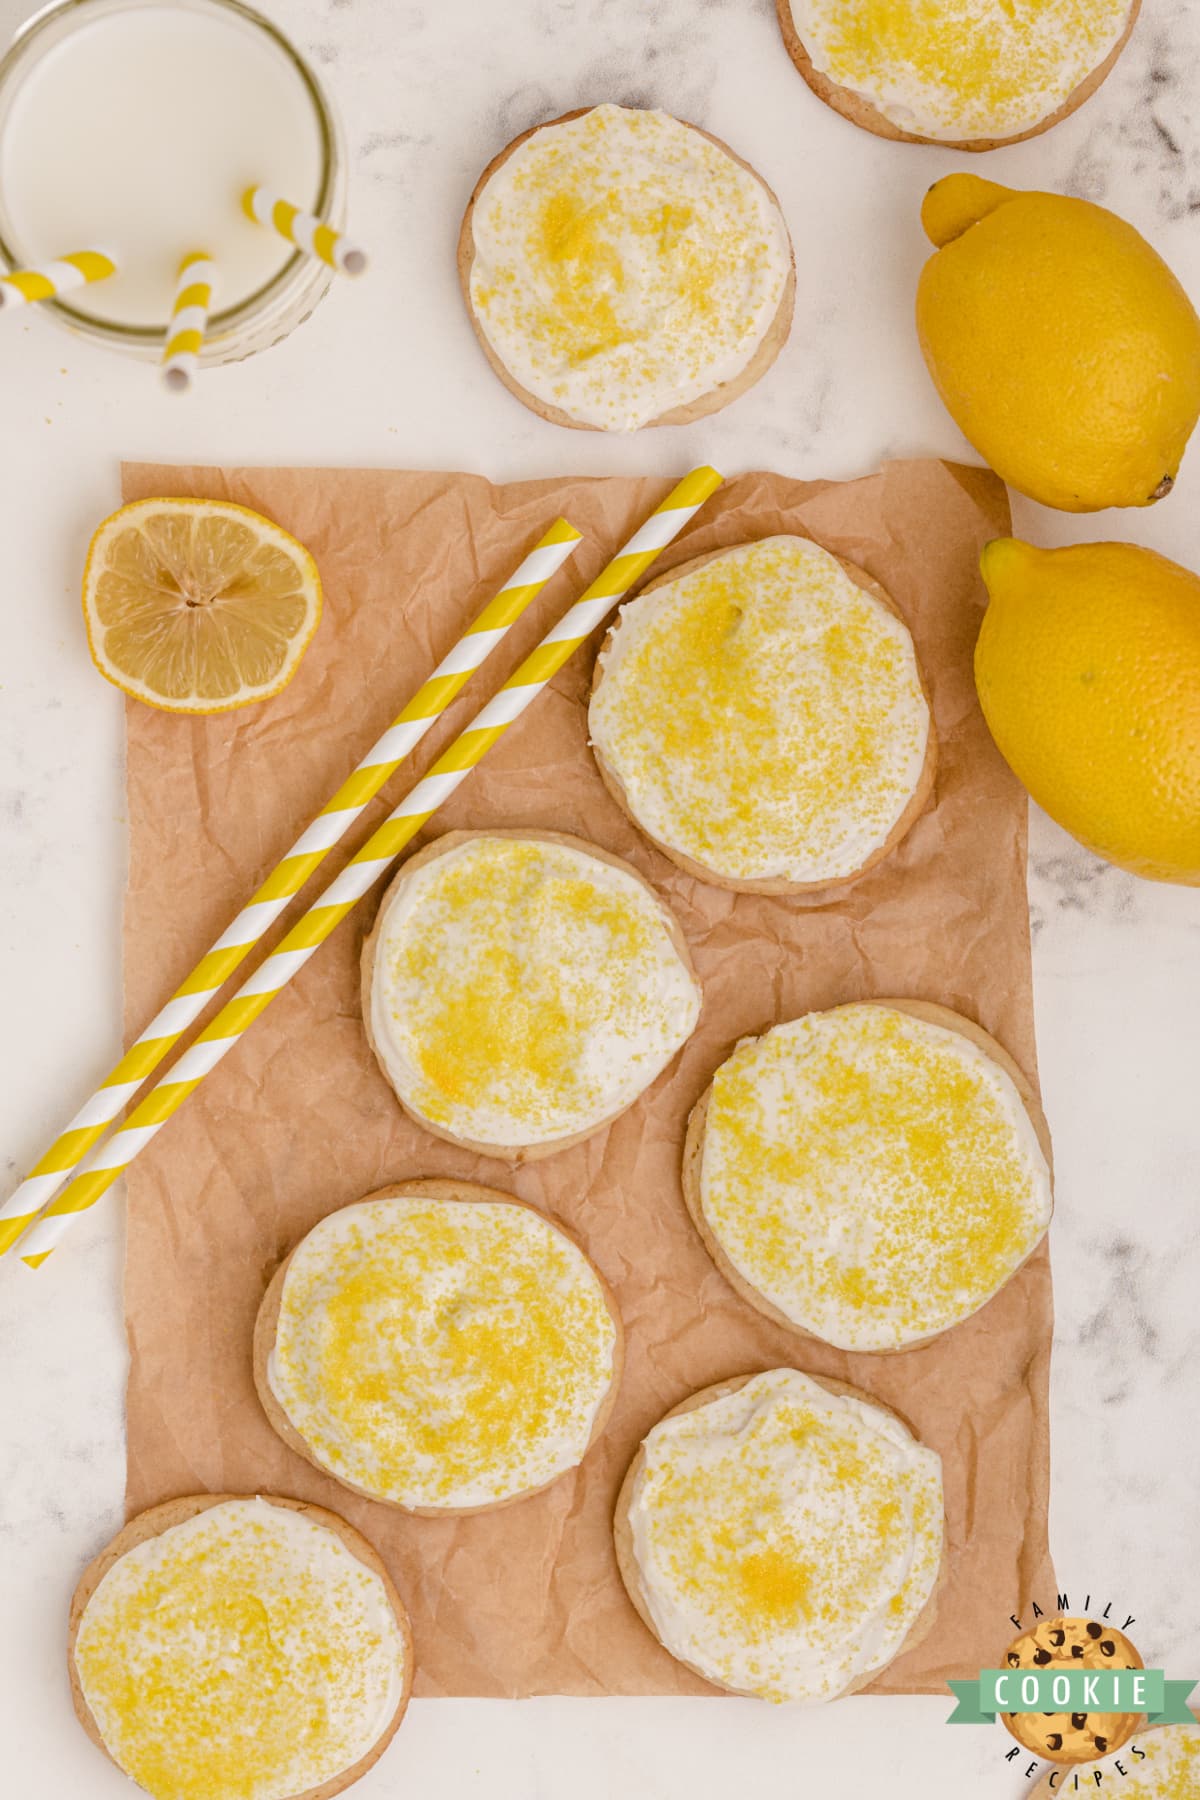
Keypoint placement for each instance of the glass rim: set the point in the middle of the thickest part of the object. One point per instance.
(247, 309)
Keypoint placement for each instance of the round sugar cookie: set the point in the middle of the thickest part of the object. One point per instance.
(440, 1347)
(1070, 1643)
(761, 715)
(966, 74)
(623, 268)
(1159, 1763)
(870, 1175)
(251, 1645)
(521, 989)
(782, 1536)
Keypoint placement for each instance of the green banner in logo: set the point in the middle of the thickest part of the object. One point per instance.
(1056, 1689)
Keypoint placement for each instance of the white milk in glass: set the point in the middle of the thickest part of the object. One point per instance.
(137, 133)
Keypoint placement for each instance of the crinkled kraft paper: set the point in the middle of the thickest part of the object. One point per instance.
(298, 1120)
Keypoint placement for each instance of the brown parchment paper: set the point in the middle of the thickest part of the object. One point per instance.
(297, 1120)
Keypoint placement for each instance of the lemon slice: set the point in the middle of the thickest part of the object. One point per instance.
(198, 606)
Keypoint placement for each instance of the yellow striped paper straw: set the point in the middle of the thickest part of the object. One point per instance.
(306, 854)
(377, 855)
(307, 232)
(23, 286)
(189, 320)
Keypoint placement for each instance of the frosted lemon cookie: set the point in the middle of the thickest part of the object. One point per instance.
(440, 1347)
(521, 989)
(253, 1649)
(1162, 1763)
(871, 1175)
(760, 714)
(623, 269)
(782, 1536)
(970, 73)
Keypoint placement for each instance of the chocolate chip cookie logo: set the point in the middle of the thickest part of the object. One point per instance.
(1071, 1690)
(1068, 1645)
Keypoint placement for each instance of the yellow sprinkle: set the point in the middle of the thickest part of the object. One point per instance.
(764, 714)
(774, 1586)
(528, 989)
(442, 1352)
(874, 1175)
(624, 264)
(965, 67)
(1163, 1764)
(245, 1654)
(787, 1537)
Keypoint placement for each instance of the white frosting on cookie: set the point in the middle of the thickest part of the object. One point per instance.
(874, 1176)
(440, 1352)
(786, 1537)
(624, 265)
(764, 715)
(244, 1652)
(524, 991)
(960, 69)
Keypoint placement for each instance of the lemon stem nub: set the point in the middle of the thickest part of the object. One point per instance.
(956, 202)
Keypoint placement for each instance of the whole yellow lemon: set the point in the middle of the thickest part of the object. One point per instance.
(1088, 671)
(1063, 346)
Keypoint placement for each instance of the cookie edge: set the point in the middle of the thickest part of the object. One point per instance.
(861, 112)
(714, 399)
(693, 1152)
(515, 1155)
(156, 1520)
(918, 801)
(466, 1193)
(630, 1569)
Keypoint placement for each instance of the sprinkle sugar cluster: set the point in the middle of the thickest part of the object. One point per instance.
(964, 68)
(531, 990)
(787, 1537)
(764, 714)
(442, 1352)
(625, 265)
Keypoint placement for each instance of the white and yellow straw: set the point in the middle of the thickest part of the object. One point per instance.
(25, 286)
(307, 232)
(377, 855)
(306, 854)
(189, 320)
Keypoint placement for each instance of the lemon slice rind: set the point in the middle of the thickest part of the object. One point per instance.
(198, 606)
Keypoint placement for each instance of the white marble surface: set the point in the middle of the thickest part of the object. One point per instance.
(387, 373)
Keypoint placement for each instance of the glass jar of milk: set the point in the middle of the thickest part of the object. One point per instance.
(134, 127)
